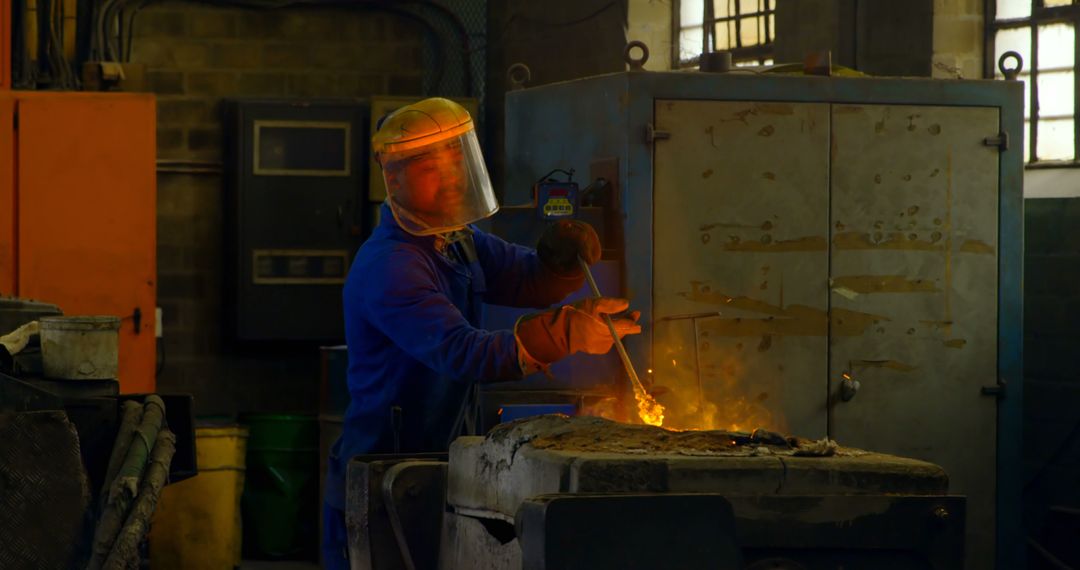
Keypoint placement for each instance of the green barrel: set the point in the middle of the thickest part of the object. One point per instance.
(281, 491)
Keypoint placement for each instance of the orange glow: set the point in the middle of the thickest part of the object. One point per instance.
(500, 411)
(649, 410)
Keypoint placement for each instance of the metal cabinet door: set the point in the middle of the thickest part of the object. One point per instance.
(87, 226)
(914, 249)
(8, 237)
(741, 228)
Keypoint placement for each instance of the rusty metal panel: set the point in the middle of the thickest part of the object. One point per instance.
(740, 228)
(914, 219)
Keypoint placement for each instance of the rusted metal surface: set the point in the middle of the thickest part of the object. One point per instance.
(732, 235)
(915, 239)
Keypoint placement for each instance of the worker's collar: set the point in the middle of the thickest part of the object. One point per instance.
(439, 242)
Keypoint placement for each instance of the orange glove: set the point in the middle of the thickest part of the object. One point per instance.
(563, 242)
(546, 337)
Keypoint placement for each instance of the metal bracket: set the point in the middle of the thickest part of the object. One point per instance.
(652, 135)
(998, 390)
(1001, 141)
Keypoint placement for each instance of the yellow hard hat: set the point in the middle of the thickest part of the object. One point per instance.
(420, 124)
(436, 180)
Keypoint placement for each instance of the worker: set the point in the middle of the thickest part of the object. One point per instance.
(414, 292)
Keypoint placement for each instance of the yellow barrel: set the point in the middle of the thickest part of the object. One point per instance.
(197, 521)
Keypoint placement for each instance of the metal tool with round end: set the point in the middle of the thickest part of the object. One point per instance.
(611, 327)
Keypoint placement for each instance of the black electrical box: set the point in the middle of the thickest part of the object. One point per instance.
(296, 192)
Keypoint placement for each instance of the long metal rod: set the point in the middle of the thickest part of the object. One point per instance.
(611, 327)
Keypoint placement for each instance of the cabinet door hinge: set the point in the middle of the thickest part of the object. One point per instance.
(651, 134)
(1001, 141)
(997, 390)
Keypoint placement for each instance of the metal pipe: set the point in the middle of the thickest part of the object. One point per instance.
(614, 335)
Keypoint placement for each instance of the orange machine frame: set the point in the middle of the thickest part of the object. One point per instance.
(78, 205)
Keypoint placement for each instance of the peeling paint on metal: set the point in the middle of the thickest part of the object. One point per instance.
(890, 364)
(796, 320)
(707, 173)
(767, 244)
(847, 109)
(884, 284)
(955, 343)
(766, 131)
(976, 246)
(894, 241)
(774, 108)
(768, 176)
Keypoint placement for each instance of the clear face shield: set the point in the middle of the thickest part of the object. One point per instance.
(439, 187)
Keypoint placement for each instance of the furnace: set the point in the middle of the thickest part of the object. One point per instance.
(599, 467)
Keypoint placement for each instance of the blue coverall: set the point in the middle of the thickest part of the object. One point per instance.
(411, 325)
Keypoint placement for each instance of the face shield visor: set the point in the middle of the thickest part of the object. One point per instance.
(439, 187)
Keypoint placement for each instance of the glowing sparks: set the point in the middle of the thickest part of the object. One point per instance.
(673, 363)
(649, 410)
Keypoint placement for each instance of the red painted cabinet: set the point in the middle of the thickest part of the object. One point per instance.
(78, 212)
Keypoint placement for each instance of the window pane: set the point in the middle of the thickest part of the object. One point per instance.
(1055, 46)
(1013, 9)
(749, 7)
(1026, 78)
(772, 27)
(1018, 40)
(1027, 142)
(723, 8)
(723, 39)
(1056, 93)
(772, 4)
(689, 43)
(749, 28)
(691, 13)
(1052, 3)
(768, 61)
(1055, 139)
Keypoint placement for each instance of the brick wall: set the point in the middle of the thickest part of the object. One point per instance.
(958, 39)
(195, 55)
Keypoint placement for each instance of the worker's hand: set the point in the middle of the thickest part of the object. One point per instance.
(562, 243)
(557, 333)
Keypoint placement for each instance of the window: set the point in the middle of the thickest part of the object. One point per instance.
(1043, 32)
(746, 28)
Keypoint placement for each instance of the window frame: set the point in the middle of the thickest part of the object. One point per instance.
(739, 54)
(1040, 16)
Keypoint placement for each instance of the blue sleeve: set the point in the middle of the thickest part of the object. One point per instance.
(516, 278)
(402, 300)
